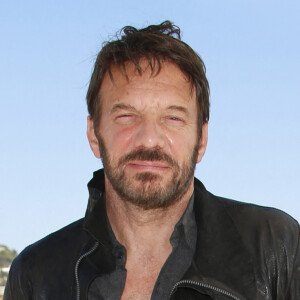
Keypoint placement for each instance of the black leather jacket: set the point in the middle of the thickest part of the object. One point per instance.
(243, 252)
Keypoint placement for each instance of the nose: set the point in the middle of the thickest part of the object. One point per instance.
(149, 134)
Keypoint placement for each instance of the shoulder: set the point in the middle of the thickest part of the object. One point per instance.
(267, 220)
(54, 254)
(55, 243)
(270, 239)
(248, 216)
(259, 227)
(270, 235)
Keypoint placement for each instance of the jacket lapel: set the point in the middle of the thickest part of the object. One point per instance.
(221, 258)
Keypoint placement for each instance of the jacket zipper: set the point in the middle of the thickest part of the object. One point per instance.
(205, 285)
(77, 266)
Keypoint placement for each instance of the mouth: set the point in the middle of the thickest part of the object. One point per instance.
(147, 165)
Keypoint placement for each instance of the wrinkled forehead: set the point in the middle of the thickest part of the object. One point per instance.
(140, 71)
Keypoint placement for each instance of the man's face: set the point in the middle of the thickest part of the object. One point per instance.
(147, 136)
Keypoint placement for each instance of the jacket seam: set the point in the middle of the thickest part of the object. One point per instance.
(295, 259)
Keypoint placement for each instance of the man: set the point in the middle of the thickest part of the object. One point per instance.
(151, 230)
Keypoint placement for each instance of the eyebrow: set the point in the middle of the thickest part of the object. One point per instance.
(123, 106)
(178, 108)
(120, 106)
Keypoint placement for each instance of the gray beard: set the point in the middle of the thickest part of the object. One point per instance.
(149, 194)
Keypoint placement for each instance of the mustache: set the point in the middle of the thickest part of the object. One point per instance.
(148, 154)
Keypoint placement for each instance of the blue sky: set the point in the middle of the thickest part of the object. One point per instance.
(252, 53)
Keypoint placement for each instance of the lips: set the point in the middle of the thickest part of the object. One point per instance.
(148, 165)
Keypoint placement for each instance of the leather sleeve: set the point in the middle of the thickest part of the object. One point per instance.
(294, 292)
(18, 285)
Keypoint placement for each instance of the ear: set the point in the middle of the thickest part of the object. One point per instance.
(203, 141)
(90, 132)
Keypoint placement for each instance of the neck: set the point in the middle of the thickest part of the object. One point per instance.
(135, 227)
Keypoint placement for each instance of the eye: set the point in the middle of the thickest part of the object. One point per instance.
(173, 118)
(125, 118)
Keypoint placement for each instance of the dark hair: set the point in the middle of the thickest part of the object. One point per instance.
(156, 44)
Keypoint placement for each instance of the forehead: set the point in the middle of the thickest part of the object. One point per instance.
(170, 82)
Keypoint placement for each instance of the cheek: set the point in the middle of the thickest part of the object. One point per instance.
(172, 139)
(118, 139)
(182, 144)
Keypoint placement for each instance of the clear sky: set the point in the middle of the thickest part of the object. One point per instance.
(47, 49)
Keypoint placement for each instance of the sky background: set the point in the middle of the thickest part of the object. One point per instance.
(47, 49)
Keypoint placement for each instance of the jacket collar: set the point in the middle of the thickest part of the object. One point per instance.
(220, 259)
(96, 221)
